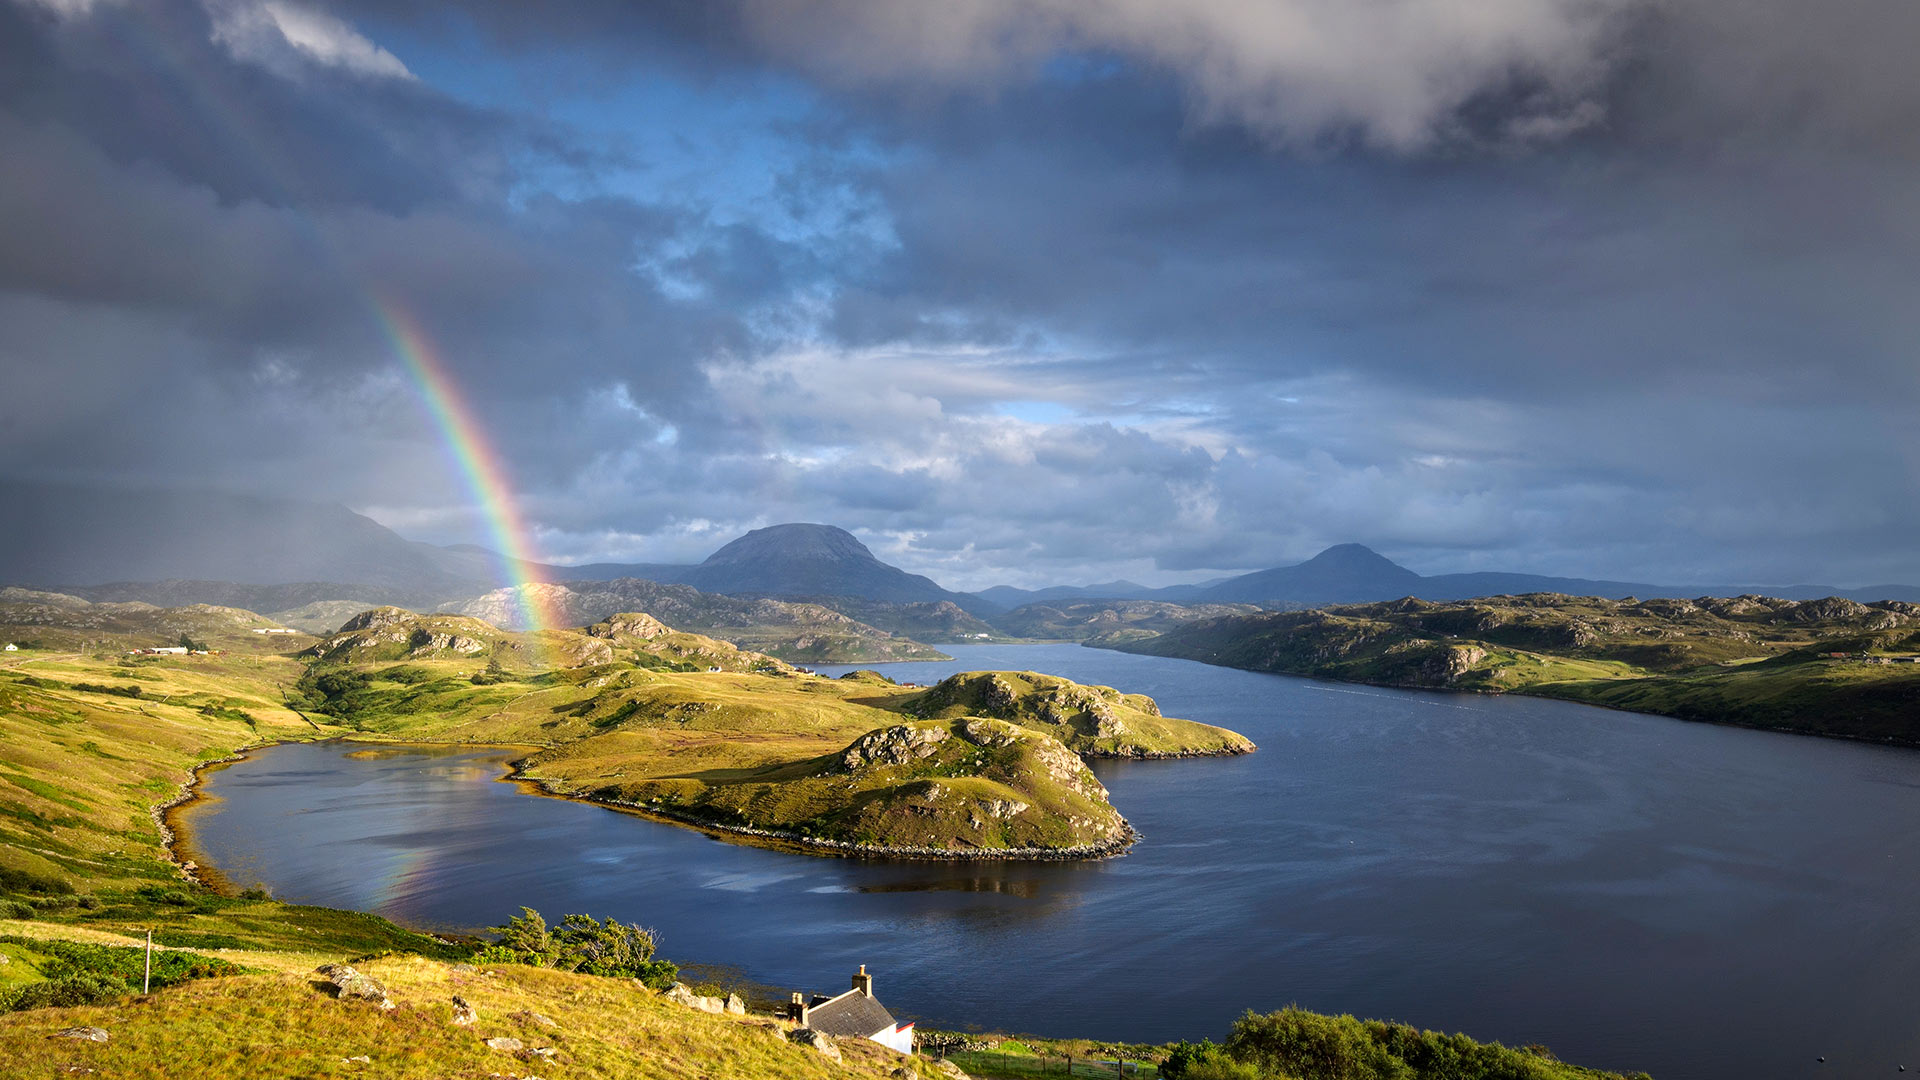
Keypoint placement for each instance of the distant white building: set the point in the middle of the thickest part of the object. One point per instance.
(856, 1014)
(11, 647)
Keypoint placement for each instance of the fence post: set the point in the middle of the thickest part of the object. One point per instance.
(146, 982)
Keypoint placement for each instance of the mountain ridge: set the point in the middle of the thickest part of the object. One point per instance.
(175, 547)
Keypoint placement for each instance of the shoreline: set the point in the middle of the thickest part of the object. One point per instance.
(173, 843)
(799, 844)
(1903, 744)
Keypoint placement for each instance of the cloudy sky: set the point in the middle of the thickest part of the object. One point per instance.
(1023, 291)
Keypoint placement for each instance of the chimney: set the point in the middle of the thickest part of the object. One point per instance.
(797, 1009)
(863, 982)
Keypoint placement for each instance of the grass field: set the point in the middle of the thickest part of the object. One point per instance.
(285, 1022)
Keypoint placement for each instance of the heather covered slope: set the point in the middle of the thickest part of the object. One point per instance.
(1751, 660)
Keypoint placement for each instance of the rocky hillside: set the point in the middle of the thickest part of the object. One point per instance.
(940, 622)
(56, 621)
(1095, 721)
(1108, 621)
(796, 632)
(638, 635)
(1753, 660)
(390, 634)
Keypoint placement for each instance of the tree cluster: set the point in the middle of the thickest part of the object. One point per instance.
(581, 943)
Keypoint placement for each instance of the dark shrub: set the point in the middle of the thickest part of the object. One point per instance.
(26, 881)
(61, 993)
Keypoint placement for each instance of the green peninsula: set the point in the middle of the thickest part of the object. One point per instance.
(628, 712)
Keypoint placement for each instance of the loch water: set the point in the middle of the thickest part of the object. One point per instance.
(1634, 892)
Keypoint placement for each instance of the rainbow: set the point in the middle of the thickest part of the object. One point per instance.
(472, 454)
(473, 457)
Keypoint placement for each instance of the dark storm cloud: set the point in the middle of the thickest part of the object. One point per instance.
(1036, 291)
(192, 236)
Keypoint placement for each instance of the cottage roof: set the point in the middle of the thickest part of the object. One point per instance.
(851, 1015)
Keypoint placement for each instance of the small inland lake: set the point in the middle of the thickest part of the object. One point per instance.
(1634, 892)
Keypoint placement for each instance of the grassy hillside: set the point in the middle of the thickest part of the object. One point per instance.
(1753, 661)
(281, 1021)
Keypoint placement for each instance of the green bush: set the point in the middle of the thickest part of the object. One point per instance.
(124, 966)
(1295, 1042)
(99, 688)
(14, 909)
(162, 895)
(1306, 1046)
(63, 992)
(1183, 1057)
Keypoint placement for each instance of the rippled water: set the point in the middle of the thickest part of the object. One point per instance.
(1634, 892)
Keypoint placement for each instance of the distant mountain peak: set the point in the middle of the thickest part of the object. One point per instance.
(1348, 558)
(797, 540)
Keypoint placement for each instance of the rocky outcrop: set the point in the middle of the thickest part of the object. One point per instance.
(84, 1034)
(680, 994)
(352, 985)
(1831, 609)
(818, 1040)
(629, 625)
(1449, 663)
(426, 643)
(896, 745)
(376, 619)
(463, 1014)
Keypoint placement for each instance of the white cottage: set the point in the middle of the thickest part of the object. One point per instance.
(856, 1014)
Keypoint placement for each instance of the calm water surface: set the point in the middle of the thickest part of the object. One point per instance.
(1634, 892)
